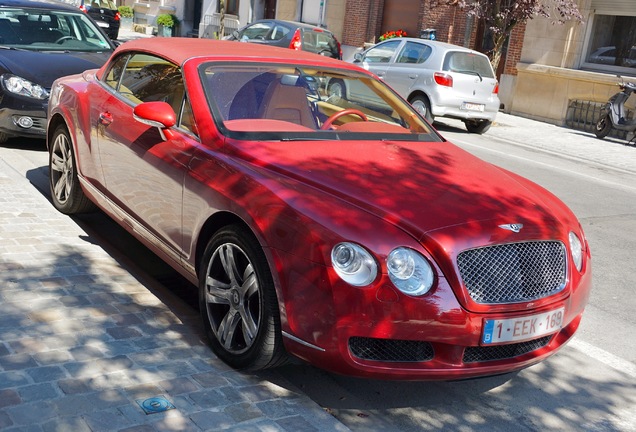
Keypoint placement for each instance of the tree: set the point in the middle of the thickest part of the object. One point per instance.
(502, 16)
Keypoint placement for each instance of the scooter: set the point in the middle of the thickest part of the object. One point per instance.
(614, 113)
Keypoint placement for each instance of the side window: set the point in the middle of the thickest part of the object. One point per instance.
(113, 75)
(382, 53)
(257, 31)
(278, 33)
(149, 79)
(414, 52)
(187, 118)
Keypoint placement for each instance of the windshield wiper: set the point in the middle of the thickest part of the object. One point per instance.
(469, 72)
(11, 48)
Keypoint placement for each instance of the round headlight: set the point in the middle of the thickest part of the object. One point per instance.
(353, 264)
(409, 271)
(576, 249)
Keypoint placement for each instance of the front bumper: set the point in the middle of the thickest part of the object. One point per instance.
(380, 333)
(14, 108)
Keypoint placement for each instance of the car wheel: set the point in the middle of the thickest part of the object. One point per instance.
(477, 126)
(336, 89)
(238, 301)
(66, 192)
(603, 126)
(422, 106)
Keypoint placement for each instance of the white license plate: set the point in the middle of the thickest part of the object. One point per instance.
(522, 328)
(472, 107)
(103, 24)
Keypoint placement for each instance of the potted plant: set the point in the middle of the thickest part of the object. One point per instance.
(166, 24)
(126, 14)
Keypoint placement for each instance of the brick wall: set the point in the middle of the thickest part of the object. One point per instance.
(515, 45)
(363, 22)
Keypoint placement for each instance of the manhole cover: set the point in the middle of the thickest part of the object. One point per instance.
(155, 405)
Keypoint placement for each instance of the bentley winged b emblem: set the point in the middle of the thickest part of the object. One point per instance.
(512, 227)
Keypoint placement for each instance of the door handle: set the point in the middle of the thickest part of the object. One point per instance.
(105, 118)
(413, 76)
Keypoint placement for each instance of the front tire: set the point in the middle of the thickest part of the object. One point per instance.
(603, 126)
(66, 192)
(238, 302)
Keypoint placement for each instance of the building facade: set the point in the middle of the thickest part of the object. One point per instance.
(547, 68)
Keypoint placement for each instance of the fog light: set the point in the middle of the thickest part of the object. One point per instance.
(24, 122)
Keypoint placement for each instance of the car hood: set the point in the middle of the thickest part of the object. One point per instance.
(419, 186)
(42, 67)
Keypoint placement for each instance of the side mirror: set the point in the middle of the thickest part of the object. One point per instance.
(235, 34)
(357, 57)
(156, 114)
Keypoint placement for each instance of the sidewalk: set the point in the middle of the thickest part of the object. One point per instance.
(574, 144)
(84, 345)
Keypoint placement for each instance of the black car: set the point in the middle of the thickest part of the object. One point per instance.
(105, 14)
(41, 41)
(290, 34)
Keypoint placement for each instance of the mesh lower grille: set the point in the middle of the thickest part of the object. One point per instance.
(390, 350)
(514, 272)
(501, 352)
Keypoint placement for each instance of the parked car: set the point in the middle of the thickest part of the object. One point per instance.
(290, 34)
(607, 56)
(41, 41)
(104, 12)
(439, 79)
(346, 232)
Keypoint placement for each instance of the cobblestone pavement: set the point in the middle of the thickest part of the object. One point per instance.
(83, 343)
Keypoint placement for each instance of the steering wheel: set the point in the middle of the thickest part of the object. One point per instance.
(339, 114)
(259, 37)
(63, 38)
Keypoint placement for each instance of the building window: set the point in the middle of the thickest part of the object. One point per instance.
(612, 44)
(231, 7)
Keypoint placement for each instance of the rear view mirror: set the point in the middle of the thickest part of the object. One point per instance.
(156, 114)
(357, 57)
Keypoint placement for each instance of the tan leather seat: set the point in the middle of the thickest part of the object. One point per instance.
(287, 103)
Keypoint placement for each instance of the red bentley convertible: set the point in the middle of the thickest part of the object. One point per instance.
(337, 227)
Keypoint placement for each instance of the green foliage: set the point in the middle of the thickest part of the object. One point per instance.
(125, 11)
(167, 20)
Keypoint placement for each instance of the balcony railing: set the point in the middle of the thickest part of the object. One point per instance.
(212, 25)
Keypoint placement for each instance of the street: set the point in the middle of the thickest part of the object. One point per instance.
(589, 385)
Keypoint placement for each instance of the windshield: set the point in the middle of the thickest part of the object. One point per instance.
(286, 102)
(49, 30)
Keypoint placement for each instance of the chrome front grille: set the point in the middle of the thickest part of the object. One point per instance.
(513, 272)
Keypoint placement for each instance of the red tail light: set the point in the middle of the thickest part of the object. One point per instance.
(443, 79)
(117, 16)
(339, 50)
(496, 89)
(296, 42)
(83, 8)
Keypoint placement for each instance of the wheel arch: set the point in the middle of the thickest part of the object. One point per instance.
(419, 92)
(213, 224)
(55, 121)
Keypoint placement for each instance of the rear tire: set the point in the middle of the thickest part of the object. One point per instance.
(477, 126)
(336, 89)
(603, 126)
(423, 106)
(238, 302)
(66, 192)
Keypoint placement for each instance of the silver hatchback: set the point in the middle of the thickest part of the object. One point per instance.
(438, 79)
